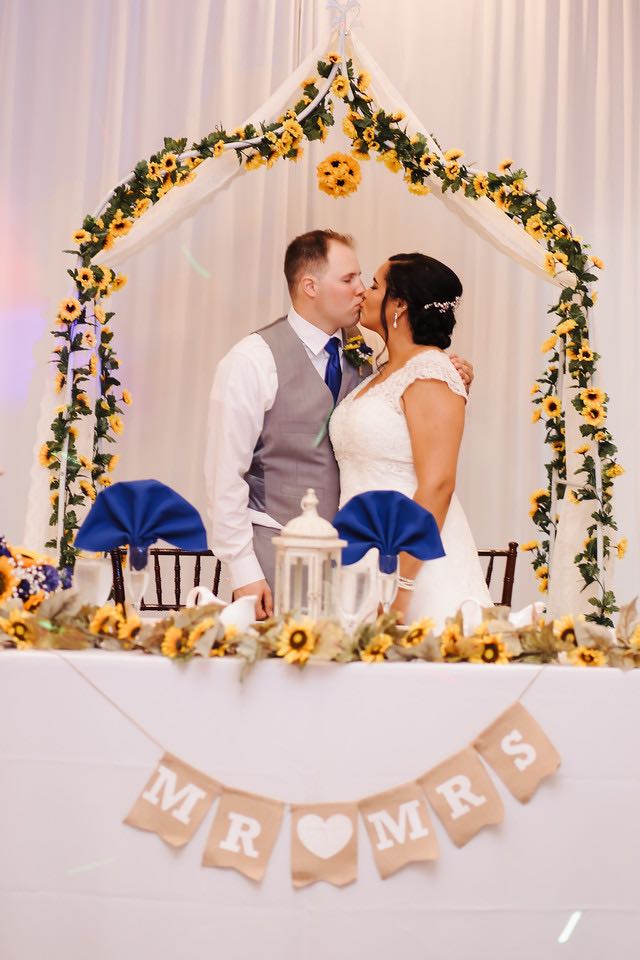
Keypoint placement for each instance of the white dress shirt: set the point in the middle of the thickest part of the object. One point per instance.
(244, 389)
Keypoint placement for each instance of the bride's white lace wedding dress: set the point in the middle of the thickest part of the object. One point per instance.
(371, 442)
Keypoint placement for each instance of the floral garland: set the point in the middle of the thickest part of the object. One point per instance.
(63, 622)
(27, 577)
(82, 325)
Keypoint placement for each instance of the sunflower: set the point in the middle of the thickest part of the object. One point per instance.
(359, 151)
(348, 129)
(564, 629)
(597, 262)
(550, 264)
(119, 282)
(45, 456)
(552, 406)
(34, 601)
(594, 414)
(364, 80)
(81, 236)
(88, 339)
(561, 258)
(126, 397)
(175, 643)
(505, 164)
(549, 343)
(105, 481)
(536, 415)
(297, 641)
(128, 629)
(583, 448)
(542, 571)
(100, 315)
(113, 462)
(452, 170)
(587, 657)
(106, 620)
(560, 231)
(566, 326)
(85, 277)
(120, 225)
(480, 185)
(295, 153)
(615, 471)
(141, 206)
(419, 189)
(93, 365)
(369, 135)
(254, 161)
(450, 639)
(530, 545)
(489, 649)
(296, 131)
(334, 57)
(221, 647)
(585, 353)
(154, 170)
(83, 399)
(390, 160)
(518, 187)
(19, 627)
(535, 389)
(543, 585)
(557, 445)
(8, 581)
(417, 632)
(169, 162)
(501, 198)
(593, 395)
(376, 648)
(308, 82)
(69, 310)
(116, 423)
(85, 462)
(534, 227)
(538, 495)
(88, 489)
(340, 86)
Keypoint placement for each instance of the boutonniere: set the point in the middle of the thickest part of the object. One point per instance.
(356, 351)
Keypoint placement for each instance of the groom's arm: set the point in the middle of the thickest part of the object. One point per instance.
(244, 388)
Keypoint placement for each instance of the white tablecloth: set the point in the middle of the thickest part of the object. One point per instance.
(75, 883)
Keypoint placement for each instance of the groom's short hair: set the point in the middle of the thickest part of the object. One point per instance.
(310, 250)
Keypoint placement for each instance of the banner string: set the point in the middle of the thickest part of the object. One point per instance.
(116, 706)
(533, 680)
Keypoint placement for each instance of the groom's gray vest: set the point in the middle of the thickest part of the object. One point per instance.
(293, 451)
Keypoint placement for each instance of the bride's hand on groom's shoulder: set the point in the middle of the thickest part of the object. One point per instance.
(464, 368)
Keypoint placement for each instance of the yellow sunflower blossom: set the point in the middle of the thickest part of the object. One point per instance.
(585, 354)
(334, 57)
(594, 414)
(45, 457)
(88, 339)
(106, 620)
(100, 315)
(221, 647)
(376, 648)
(175, 643)
(120, 225)
(501, 198)
(309, 82)
(85, 277)
(583, 448)
(549, 343)
(141, 206)
(481, 185)
(557, 445)
(358, 152)
(8, 581)
(530, 545)
(128, 629)
(34, 601)
(452, 170)
(119, 282)
(550, 264)
(114, 459)
(588, 657)
(536, 415)
(450, 639)
(293, 127)
(621, 548)
(560, 231)
(552, 406)
(340, 86)
(364, 80)
(518, 187)
(69, 310)
(453, 154)
(88, 489)
(564, 629)
(254, 161)
(93, 365)
(297, 641)
(126, 397)
(566, 326)
(417, 632)
(169, 162)
(105, 481)
(116, 423)
(59, 382)
(538, 495)
(561, 258)
(20, 627)
(505, 164)
(543, 585)
(218, 148)
(615, 471)
(199, 630)
(541, 571)
(489, 649)
(81, 236)
(593, 395)
(535, 227)
(597, 262)
(348, 129)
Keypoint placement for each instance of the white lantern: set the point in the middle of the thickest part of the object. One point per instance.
(308, 561)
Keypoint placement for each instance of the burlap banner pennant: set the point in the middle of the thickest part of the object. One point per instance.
(519, 751)
(399, 828)
(324, 843)
(462, 794)
(243, 833)
(174, 801)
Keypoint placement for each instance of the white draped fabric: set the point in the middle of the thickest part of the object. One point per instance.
(553, 86)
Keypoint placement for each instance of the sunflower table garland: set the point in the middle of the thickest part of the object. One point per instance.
(61, 621)
(85, 352)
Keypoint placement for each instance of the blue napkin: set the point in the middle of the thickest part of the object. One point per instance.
(137, 513)
(393, 523)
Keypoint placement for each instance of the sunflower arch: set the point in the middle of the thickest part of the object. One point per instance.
(573, 513)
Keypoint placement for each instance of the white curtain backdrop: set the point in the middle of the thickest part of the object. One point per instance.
(88, 89)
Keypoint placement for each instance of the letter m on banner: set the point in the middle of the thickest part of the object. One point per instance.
(399, 828)
(174, 801)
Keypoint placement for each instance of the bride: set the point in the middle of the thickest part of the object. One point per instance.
(401, 429)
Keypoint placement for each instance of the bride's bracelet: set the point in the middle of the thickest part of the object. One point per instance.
(404, 583)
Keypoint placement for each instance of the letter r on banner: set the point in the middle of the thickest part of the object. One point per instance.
(462, 794)
(519, 751)
(174, 802)
(244, 831)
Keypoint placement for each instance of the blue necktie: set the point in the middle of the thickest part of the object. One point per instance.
(333, 373)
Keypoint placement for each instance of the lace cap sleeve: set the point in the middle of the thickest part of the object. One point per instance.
(429, 365)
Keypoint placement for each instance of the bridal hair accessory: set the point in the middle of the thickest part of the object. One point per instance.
(445, 305)
(395, 320)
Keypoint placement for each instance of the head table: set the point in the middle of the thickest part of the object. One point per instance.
(559, 875)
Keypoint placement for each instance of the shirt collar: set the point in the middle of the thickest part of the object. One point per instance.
(313, 337)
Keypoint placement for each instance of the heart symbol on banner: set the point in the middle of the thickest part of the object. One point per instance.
(324, 838)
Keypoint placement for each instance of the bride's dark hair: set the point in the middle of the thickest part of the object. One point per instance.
(421, 282)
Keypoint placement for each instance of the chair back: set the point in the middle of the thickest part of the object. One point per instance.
(173, 563)
(511, 556)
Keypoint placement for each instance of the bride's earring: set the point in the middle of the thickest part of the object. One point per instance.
(395, 320)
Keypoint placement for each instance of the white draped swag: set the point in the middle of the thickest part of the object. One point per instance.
(551, 85)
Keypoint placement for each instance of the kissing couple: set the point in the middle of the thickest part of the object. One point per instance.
(394, 426)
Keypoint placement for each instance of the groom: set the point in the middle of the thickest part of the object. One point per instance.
(272, 395)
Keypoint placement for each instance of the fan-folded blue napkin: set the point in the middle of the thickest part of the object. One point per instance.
(137, 513)
(393, 523)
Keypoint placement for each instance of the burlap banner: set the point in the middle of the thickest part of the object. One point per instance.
(324, 836)
(174, 802)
